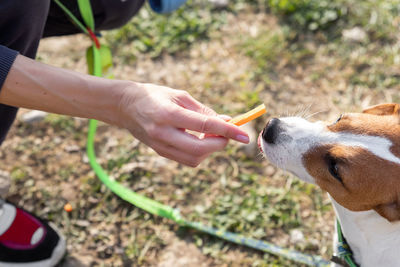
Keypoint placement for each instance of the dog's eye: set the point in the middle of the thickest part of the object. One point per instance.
(333, 168)
(340, 117)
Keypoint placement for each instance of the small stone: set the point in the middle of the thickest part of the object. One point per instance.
(270, 171)
(355, 34)
(72, 148)
(94, 231)
(82, 223)
(85, 158)
(130, 167)
(57, 140)
(219, 3)
(33, 116)
(159, 162)
(296, 236)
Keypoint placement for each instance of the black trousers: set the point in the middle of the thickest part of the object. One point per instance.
(24, 22)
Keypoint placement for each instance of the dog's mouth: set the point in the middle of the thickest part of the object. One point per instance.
(259, 141)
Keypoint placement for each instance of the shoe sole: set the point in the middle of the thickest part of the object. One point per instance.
(58, 254)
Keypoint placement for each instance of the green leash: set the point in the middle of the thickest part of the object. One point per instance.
(99, 60)
(344, 251)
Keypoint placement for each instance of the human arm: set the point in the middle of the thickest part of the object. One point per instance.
(154, 114)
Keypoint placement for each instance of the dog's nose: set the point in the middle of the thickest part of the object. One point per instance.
(271, 131)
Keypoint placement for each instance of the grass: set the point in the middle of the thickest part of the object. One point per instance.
(155, 34)
(296, 55)
(286, 47)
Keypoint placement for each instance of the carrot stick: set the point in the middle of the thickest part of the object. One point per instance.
(249, 116)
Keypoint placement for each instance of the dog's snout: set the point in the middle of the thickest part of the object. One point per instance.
(271, 131)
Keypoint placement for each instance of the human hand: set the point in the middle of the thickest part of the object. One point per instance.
(159, 117)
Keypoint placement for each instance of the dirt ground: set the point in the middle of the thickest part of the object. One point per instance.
(48, 165)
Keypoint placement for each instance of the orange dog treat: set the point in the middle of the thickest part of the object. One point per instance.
(249, 116)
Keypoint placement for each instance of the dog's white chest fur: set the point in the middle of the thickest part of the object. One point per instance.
(373, 239)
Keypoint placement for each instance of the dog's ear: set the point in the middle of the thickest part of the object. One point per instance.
(384, 109)
(389, 211)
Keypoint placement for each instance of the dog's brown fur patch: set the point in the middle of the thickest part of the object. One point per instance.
(368, 182)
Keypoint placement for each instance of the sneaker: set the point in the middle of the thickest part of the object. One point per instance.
(27, 241)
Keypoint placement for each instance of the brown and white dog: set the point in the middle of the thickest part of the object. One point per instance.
(356, 160)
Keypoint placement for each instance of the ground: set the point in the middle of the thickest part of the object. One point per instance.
(251, 57)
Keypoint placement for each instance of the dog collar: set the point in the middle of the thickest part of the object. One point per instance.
(345, 255)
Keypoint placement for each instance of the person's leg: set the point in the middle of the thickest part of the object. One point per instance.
(21, 26)
(25, 240)
(108, 14)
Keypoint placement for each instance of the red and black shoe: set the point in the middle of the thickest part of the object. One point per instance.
(27, 241)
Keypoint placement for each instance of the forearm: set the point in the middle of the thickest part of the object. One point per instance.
(154, 114)
(34, 85)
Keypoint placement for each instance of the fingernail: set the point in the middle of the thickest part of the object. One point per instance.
(243, 138)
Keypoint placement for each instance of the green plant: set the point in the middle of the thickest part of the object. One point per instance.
(266, 50)
(18, 174)
(309, 14)
(375, 16)
(378, 18)
(155, 34)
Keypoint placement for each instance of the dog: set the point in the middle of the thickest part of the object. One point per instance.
(356, 159)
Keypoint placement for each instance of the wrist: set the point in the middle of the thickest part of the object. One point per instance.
(109, 109)
(127, 94)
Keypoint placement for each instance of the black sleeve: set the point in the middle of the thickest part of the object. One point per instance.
(7, 57)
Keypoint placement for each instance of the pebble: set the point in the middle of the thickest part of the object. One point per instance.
(296, 236)
(130, 167)
(33, 116)
(72, 148)
(270, 170)
(355, 34)
(219, 3)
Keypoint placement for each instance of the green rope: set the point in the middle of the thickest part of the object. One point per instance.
(156, 208)
(344, 250)
(86, 12)
(168, 212)
(72, 17)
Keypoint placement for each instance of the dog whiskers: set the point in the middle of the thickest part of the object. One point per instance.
(315, 113)
(302, 111)
(307, 110)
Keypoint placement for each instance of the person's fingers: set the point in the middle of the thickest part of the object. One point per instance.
(175, 154)
(224, 117)
(185, 100)
(189, 143)
(191, 120)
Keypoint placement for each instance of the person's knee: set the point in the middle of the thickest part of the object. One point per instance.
(22, 23)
